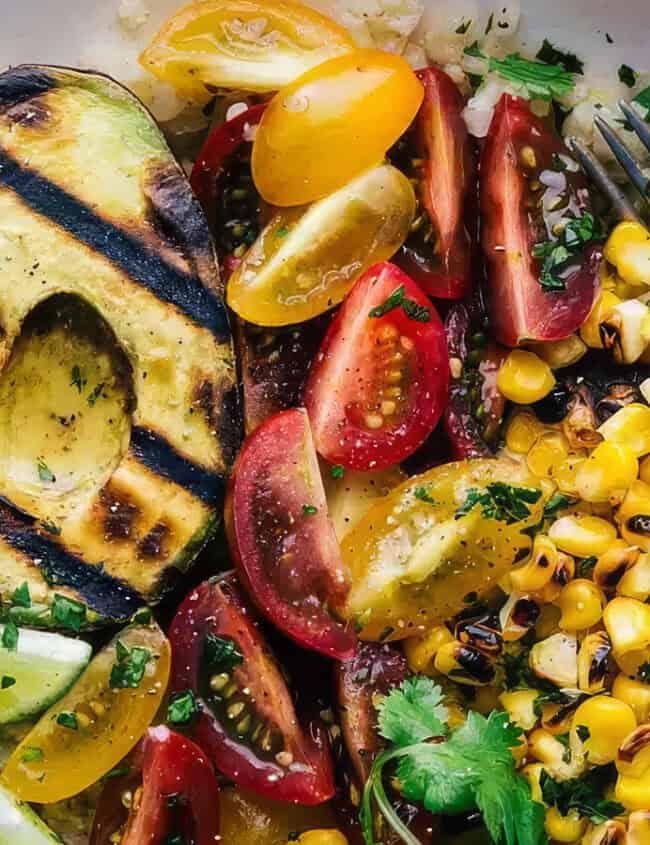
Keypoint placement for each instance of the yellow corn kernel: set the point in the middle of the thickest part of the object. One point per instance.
(533, 773)
(633, 792)
(560, 353)
(607, 473)
(555, 720)
(631, 426)
(565, 472)
(523, 430)
(638, 828)
(543, 746)
(569, 828)
(608, 721)
(548, 452)
(608, 833)
(632, 661)
(539, 569)
(628, 624)
(613, 564)
(635, 582)
(582, 535)
(635, 693)
(593, 662)
(628, 249)
(421, 651)
(548, 622)
(486, 699)
(644, 470)
(581, 603)
(520, 707)
(590, 329)
(633, 516)
(524, 378)
(463, 664)
(322, 837)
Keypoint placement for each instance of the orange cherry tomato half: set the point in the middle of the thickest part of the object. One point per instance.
(332, 123)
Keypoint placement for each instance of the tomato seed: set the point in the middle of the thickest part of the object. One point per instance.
(527, 157)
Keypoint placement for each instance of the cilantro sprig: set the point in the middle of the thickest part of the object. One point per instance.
(501, 501)
(471, 767)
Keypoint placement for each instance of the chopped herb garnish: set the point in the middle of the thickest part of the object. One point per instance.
(20, 596)
(309, 510)
(77, 380)
(182, 708)
(398, 299)
(500, 501)
(583, 733)
(643, 673)
(550, 55)
(175, 839)
(462, 29)
(142, 616)
(50, 527)
(44, 472)
(627, 76)
(586, 565)
(68, 612)
(475, 51)
(581, 794)
(222, 653)
(557, 502)
(282, 232)
(542, 81)
(32, 754)
(7, 681)
(10, 636)
(337, 471)
(643, 99)
(68, 720)
(128, 670)
(385, 634)
(422, 494)
(96, 393)
(555, 254)
(117, 772)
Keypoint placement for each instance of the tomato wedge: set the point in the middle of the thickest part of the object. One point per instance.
(246, 721)
(172, 791)
(530, 189)
(437, 154)
(379, 382)
(283, 539)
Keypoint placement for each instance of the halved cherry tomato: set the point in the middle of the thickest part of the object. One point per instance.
(414, 557)
(437, 154)
(283, 539)
(379, 383)
(89, 730)
(530, 186)
(331, 124)
(306, 260)
(246, 722)
(169, 790)
(254, 45)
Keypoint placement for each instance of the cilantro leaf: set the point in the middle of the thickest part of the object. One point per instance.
(508, 813)
(413, 712)
(398, 299)
(31, 754)
(67, 719)
(10, 636)
(550, 55)
(423, 495)
(21, 597)
(68, 612)
(542, 81)
(7, 681)
(627, 75)
(44, 472)
(128, 670)
(337, 471)
(555, 254)
(77, 379)
(221, 653)
(501, 501)
(643, 100)
(96, 392)
(582, 794)
(557, 502)
(182, 708)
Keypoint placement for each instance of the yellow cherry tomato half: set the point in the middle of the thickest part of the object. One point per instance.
(255, 45)
(441, 536)
(332, 123)
(87, 732)
(306, 260)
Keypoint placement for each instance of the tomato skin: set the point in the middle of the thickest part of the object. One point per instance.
(520, 309)
(447, 178)
(166, 764)
(241, 44)
(220, 609)
(331, 124)
(345, 388)
(74, 759)
(291, 566)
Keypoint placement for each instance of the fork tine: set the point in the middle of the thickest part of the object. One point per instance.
(624, 156)
(596, 172)
(635, 121)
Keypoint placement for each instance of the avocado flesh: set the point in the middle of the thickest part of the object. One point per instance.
(117, 383)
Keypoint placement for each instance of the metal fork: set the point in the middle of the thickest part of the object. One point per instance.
(597, 172)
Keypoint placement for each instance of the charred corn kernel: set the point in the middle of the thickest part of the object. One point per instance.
(556, 659)
(321, 837)
(533, 774)
(607, 473)
(581, 603)
(612, 565)
(628, 249)
(608, 721)
(628, 624)
(565, 472)
(524, 378)
(635, 693)
(638, 828)
(633, 516)
(633, 792)
(593, 661)
(560, 353)
(548, 452)
(569, 828)
(582, 535)
(556, 718)
(464, 664)
(610, 832)
(522, 432)
(630, 426)
(632, 661)
(548, 621)
(590, 329)
(625, 330)
(421, 651)
(539, 569)
(520, 705)
(633, 758)
(635, 582)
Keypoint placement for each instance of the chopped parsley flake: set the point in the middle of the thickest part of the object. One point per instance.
(555, 254)
(581, 794)
(21, 597)
(643, 99)
(337, 471)
(398, 299)
(542, 81)
(32, 754)
(76, 379)
(44, 472)
(128, 670)
(627, 76)
(550, 55)
(309, 510)
(221, 653)
(7, 681)
(463, 28)
(182, 708)
(500, 501)
(10, 636)
(68, 720)
(68, 612)
(96, 393)
(422, 494)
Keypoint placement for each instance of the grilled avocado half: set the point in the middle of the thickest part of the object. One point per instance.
(118, 409)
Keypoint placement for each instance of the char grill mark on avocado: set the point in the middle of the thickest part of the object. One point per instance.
(23, 84)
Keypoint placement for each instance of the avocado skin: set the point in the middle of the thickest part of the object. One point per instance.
(149, 241)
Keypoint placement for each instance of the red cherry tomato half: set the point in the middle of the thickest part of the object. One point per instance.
(438, 252)
(379, 383)
(173, 792)
(529, 187)
(246, 722)
(283, 539)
